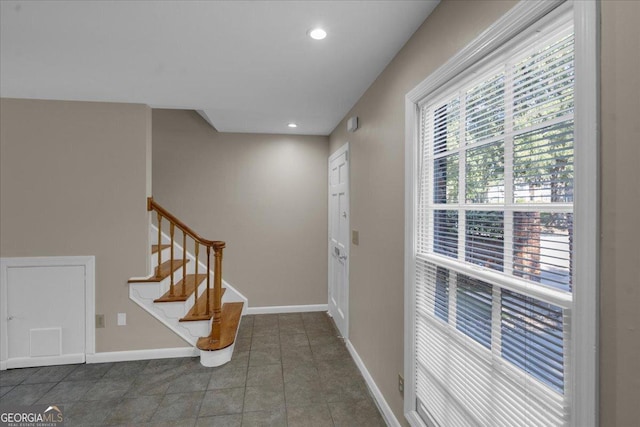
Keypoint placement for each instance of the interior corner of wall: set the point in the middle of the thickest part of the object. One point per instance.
(148, 152)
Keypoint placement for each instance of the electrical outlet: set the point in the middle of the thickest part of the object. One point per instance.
(99, 321)
(401, 384)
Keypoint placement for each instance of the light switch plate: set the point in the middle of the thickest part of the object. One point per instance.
(355, 237)
(122, 319)
(99, 321)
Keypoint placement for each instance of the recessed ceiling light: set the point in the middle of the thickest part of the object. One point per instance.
(292, 125)
(317, 33)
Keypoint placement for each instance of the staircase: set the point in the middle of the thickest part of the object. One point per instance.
(187, 296)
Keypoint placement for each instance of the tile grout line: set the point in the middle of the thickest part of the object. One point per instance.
(311, 327)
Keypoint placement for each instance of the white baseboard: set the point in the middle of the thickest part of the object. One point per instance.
(28, 362)
(287, 309)
(384, 407)
(157, 353)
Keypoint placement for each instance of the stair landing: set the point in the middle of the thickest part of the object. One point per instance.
(231, 313)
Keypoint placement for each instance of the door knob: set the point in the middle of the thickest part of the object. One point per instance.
(10, 318)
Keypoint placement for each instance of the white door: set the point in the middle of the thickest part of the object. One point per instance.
(45, 313)
(339, 239)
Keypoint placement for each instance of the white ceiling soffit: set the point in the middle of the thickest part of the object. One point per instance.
(247, 66)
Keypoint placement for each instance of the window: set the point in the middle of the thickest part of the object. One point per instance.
(492, 253)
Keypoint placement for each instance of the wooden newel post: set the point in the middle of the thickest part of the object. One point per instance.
(217, 295)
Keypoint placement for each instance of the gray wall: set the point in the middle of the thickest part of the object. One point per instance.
(377, 198)
(265, 195)
(73, 181)
(620, 211)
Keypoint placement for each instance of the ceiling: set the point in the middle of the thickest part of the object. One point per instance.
(246, 66)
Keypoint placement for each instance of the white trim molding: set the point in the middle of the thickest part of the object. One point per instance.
(88, 263)
(498, 35)
(523, 17)
(377, 395)
(585, 397)
(287, 309)
(27, 362)
(149, 354)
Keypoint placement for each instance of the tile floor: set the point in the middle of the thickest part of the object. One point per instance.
(287, 370)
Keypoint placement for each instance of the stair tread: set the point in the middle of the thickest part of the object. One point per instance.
(164, 271)
(154, 248)
(202, 307)
(190, 284)
(231, 314)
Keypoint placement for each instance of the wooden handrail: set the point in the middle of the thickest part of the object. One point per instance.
(152, 205)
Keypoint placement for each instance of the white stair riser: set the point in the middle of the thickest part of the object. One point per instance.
(146, 290)
(201, 328)
(172, 310)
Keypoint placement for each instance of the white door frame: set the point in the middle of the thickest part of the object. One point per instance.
(333, 156)
(88, 262)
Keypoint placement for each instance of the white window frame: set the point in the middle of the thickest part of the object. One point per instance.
(583, 376)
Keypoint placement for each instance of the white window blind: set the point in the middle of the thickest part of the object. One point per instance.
(494, 240)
